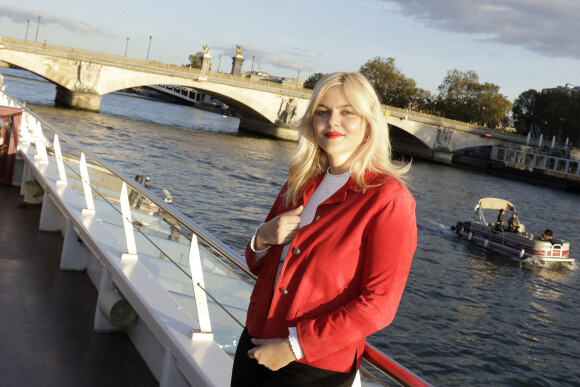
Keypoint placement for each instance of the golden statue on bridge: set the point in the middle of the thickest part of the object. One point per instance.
(206, 49)
(239, 51)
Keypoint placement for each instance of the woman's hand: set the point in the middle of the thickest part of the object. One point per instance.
(272, 353)
(278, 231)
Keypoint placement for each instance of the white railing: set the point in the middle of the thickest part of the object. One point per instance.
(553, 251)
(537, 160)
(140, 251)
(152, 258)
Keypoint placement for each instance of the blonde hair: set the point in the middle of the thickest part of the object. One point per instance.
(374, 154)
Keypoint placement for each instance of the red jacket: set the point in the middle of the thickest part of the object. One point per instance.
(344, 274)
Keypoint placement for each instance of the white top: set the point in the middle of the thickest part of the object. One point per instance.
(328, 187)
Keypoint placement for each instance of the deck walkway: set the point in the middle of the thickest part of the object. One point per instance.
(46, 314)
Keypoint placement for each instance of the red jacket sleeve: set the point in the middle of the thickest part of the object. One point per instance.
(274, 211)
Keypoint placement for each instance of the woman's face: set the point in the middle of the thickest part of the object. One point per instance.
(338, 129)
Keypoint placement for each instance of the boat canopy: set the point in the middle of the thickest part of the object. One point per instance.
(494, 204)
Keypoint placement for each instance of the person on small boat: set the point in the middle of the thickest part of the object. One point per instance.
(514, 223)
(334, 253)
(547, 235)
(499, 224)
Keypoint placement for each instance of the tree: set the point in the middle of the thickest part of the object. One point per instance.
(495, 107)
(457, 95)
(463, 98)
(423, 101)
(524, 110)
(195, 60)
(392, 87)
(556, 114)
(313, 80)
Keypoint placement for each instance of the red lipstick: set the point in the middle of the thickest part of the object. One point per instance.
(332, 135)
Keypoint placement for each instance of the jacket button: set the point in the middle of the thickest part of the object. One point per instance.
(283, 291)
(296, 251)
(317, 218)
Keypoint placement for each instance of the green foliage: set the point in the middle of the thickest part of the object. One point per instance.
(195, 60)
(550, 114)
(424, 101)
(392, 87)
(313, 80)
(524, 110)
(462, 97)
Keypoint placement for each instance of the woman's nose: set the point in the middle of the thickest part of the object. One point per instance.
(334, 120)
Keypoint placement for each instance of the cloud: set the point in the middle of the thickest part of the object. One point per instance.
(548, 28)
(19, 15)
(284, 62)
(270, 58)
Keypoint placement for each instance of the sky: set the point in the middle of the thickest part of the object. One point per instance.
(515, 44)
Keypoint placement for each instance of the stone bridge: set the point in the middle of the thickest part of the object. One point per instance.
(83, 77)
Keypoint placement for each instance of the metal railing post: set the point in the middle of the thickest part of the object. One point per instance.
(128, 225)
(205, 332)
(41, 154)
(26, 135)
(58, 153)
(86, 187)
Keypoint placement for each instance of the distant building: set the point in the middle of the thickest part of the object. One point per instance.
(294, 81)
(568, 89)
(257, 75)
(267, 77)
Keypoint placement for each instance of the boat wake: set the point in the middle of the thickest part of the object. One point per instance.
(435, 227)
(538, 262)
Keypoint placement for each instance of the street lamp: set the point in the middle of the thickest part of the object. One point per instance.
(126, 46)
(252, 69)
(37, 25)
(298, 77)
(150, 37)
(27, 25)
(219, 62)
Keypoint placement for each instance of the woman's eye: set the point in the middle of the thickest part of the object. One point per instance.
(321, 112)
(347, 112)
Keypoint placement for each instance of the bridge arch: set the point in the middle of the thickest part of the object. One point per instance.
(82, 83)
(241, 102)
(37, 68)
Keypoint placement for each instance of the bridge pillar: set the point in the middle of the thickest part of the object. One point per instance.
(411, 149)
(281, 132)
(443, 157)
(78, 99)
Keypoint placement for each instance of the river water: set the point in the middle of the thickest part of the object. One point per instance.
(468, 317)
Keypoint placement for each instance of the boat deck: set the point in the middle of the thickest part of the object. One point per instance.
(47, 314)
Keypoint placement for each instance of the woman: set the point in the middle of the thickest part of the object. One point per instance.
(334, 253)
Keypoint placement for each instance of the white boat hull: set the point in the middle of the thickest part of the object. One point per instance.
(522, 245)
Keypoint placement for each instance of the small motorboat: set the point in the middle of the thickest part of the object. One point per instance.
(494, 236)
